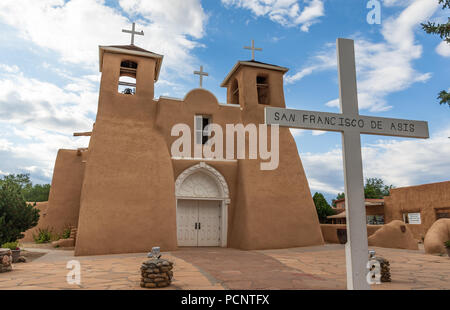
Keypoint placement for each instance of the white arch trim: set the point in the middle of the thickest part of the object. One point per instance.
(221, 194)
(221, 183)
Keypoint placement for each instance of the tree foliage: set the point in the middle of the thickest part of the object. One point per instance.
(16, 216)
(376, 189)
(443, 30)
(322, 207)
(31, 193)
(373, 189)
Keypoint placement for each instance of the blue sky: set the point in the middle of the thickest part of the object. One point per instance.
(49, 72)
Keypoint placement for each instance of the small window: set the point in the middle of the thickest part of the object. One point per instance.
(262, 87)
(127, 80)
(442, 213)
(235, 92)
(375, 219)
(201, 134)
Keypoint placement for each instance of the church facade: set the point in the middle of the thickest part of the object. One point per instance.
(126, 192)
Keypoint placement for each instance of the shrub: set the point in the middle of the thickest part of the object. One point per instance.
(11, 245)
(447, 244)
(16, 216)
(66, 233)
(44, 235)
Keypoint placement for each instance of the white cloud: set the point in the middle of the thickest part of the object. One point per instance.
(285, 12)
(44, 105)
(38, 118)
(9, 69)
(324, 60)
(378, 77)
(75, 28)
(403, 162)
(443, 49)
(294, 131)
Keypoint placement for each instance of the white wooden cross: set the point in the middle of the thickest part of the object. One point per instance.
(351, 125)
(253, 48)
(133, 32)
(201, 74)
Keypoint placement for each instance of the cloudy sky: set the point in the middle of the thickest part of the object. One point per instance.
(49, 75)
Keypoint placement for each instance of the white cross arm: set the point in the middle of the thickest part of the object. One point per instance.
(346, 123)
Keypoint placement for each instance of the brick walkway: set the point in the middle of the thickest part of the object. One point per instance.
(218, 268)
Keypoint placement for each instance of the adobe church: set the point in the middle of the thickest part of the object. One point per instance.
(126, 193)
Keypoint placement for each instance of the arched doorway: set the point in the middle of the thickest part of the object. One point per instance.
(202, 207)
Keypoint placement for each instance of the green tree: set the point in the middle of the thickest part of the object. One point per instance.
(322, 207)
(376, 189)
(31, 193)
(37, 193)
(443, 30)
(373, 189)
(16, 216)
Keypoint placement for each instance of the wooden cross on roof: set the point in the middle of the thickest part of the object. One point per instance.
(253, 48)
(201, 73)
(133, 32)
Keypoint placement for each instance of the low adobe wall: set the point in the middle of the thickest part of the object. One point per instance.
(330, 235)
(394, 235)
(438, 233)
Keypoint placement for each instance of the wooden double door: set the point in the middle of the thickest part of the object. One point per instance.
(198, 222)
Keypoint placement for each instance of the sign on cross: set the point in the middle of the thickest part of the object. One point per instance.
(201, 73)
(351, 125)
(133, 32)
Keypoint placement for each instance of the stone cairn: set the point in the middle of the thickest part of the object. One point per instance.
(156, 272)
(5, 260)
(385, 267)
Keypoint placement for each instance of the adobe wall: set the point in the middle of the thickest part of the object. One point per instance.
(259, 199)
(438, 233)
(422, 198)
(64, 198)
(128, 189)
(128, 199)
(274, 207)
(329, 231)
(374, 210)
(394, 235)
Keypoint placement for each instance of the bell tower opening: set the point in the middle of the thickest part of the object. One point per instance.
(262, 87)
(127, 77)
(235, 92)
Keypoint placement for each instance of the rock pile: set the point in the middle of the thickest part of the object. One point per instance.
(156, 272)
(385, 269)
(5, 260)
